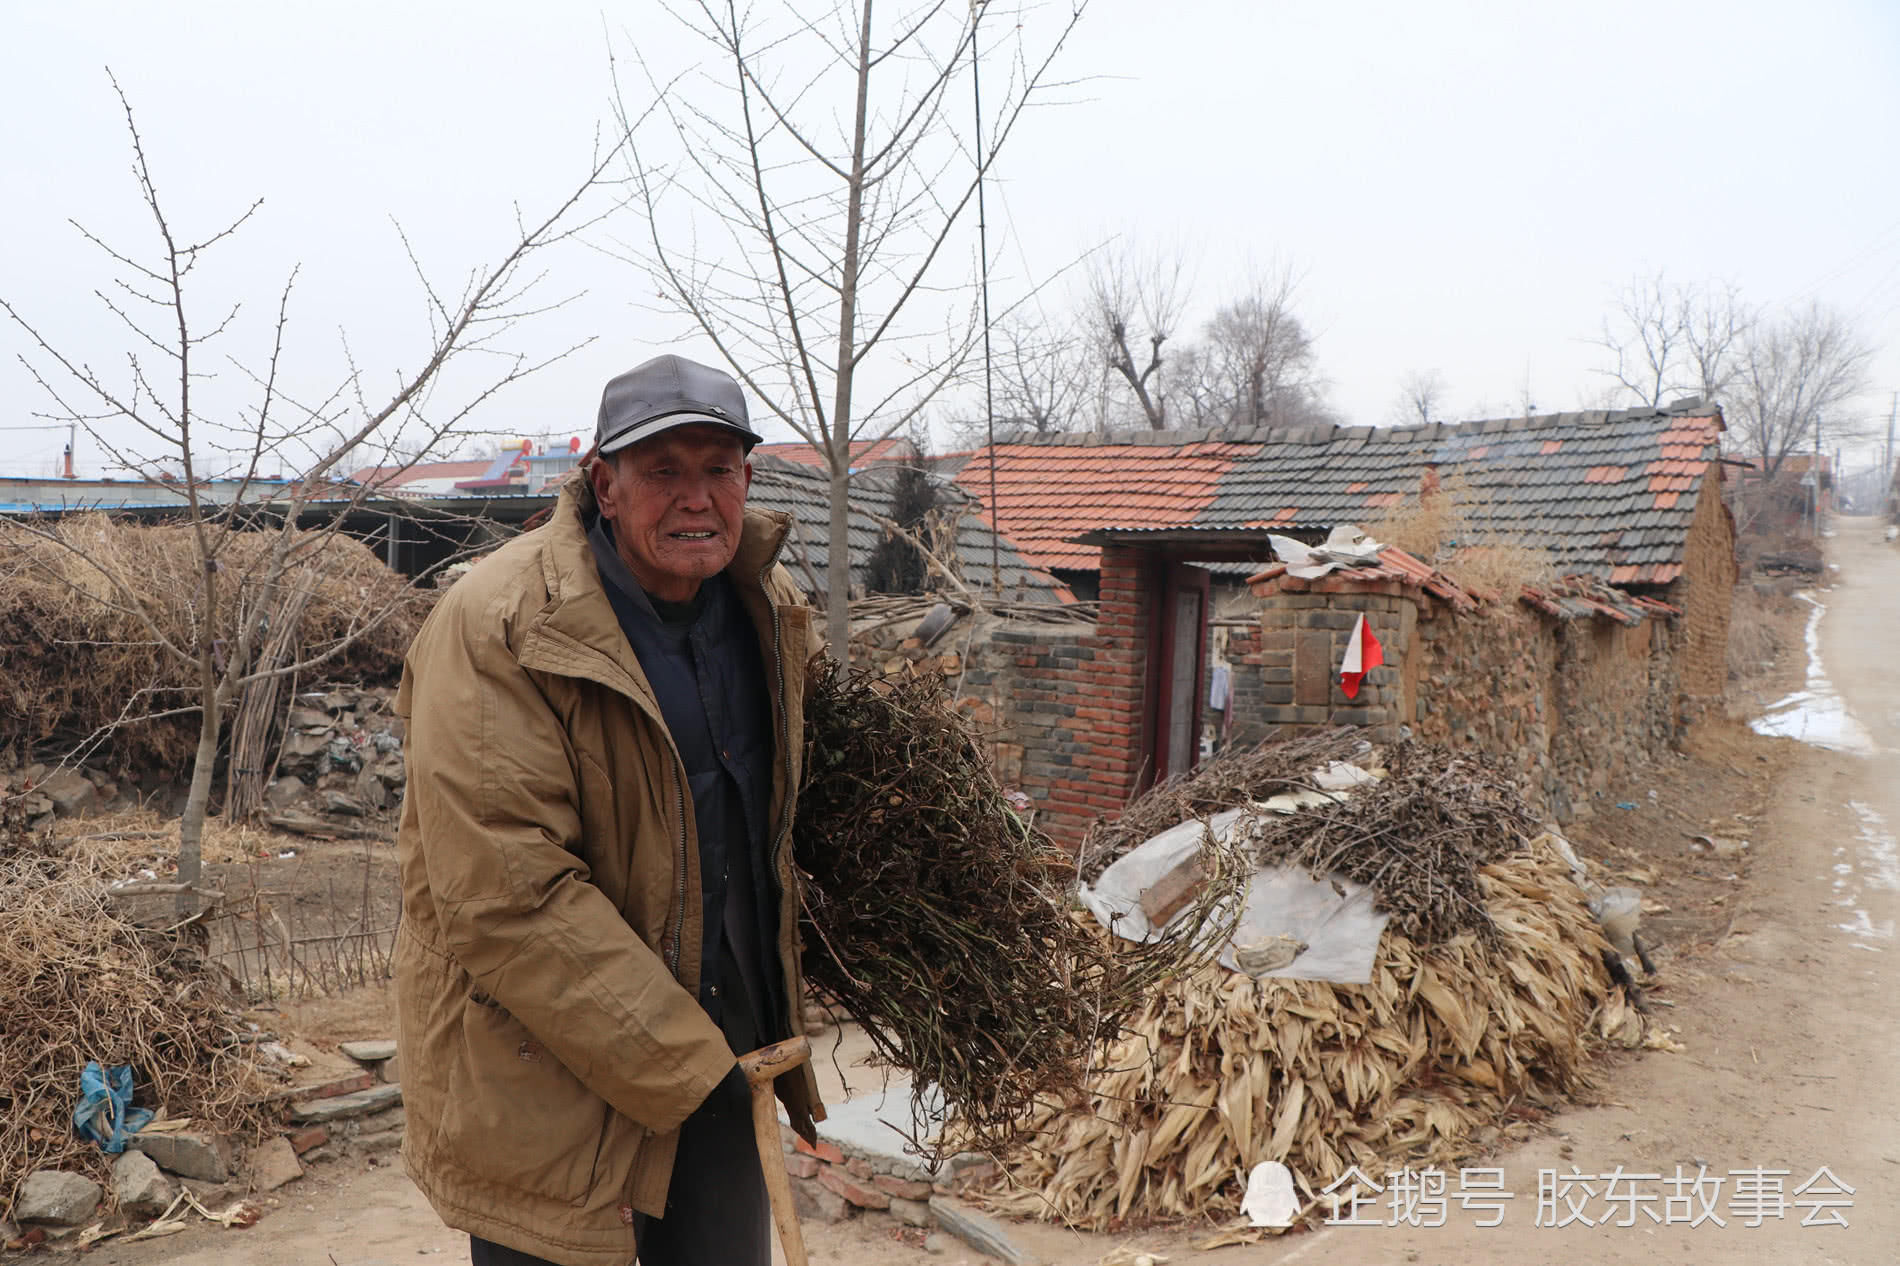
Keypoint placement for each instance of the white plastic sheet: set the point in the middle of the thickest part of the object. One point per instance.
(1346, 546)
(1332, 917)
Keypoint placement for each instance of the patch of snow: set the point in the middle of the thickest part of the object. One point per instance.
(1816, 715)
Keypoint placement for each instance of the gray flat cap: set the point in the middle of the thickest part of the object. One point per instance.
(666, 392)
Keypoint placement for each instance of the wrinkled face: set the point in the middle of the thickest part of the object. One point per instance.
(677, 502)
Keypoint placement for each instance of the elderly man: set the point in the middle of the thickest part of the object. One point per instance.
(598, 894)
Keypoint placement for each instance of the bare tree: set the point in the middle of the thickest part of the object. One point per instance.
(1043, 373)
(1420, 399)
(1715, 325)
(1668, 339)
(1262, 356)
(1794, 376)
(237, 586)
(831, 164)
(1138, 300)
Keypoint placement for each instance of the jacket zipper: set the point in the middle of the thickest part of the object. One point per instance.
(679, 875)
(785, 736)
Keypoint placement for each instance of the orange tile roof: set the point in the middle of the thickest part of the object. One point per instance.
(863, 452)
(397, 476)
(1045, 494)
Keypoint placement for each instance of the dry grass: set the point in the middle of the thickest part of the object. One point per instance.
(1444, 530)
(79, 981)
(77, 658)
(1423, 526)
(1501, 570)
(1763, 629)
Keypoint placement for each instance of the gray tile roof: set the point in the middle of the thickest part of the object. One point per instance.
(1610, 495)
(805, 494)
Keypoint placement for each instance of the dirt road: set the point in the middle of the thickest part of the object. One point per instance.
(1788, 1020)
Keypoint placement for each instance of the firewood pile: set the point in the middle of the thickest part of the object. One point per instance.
(1488, 994)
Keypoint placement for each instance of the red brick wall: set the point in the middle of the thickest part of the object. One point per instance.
(1064, 704)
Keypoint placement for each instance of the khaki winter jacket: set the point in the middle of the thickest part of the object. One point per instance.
(548, 961)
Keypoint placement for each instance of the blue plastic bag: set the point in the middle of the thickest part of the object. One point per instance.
(105, 1113)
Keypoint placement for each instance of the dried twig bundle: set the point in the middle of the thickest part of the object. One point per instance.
(941, 920)
(1220, 1071)
(1231, 779)
(1417, 837)
(78, 982)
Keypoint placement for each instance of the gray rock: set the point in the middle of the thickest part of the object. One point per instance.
(937, 1243)
(57, 1198)
(371, 790)
(273, 1163)
(34, 772)
(911, 1212)
(390, 1069)
(301, 745)
(308, 719)
(38, 806)
(814, 1203)
(205, 1157)
(370, 1052)
(378, 1141)
(139, 1187)
(343, 804)
(284, 792)
(985, 1235)
(70, 791)
(362, 1103)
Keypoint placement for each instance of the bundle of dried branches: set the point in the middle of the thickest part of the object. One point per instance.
(1233, 778)
(80, 982)
(1417, 837)
(940, 919)
(1220, 1071)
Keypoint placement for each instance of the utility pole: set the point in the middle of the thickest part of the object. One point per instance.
(1886, 464)
(1814, 476)
(983, 260)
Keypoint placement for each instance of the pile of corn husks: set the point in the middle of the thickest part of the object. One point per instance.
(1221, 1071)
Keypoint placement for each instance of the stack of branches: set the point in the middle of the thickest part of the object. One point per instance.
(1220, 1071)
(1417, 837)
(80, 659)
(80, 982)
(1235, 777)
(940, 919)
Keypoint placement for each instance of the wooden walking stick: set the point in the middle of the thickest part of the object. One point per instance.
(761, 1067)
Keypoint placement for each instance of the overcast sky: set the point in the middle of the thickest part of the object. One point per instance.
(1462, 188)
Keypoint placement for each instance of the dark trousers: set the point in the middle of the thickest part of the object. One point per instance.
(717, 1210)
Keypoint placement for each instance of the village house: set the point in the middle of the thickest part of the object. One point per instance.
(1574, 682)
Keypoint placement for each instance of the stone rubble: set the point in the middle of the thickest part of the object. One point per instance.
(139, 1187)
(56, 1198)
